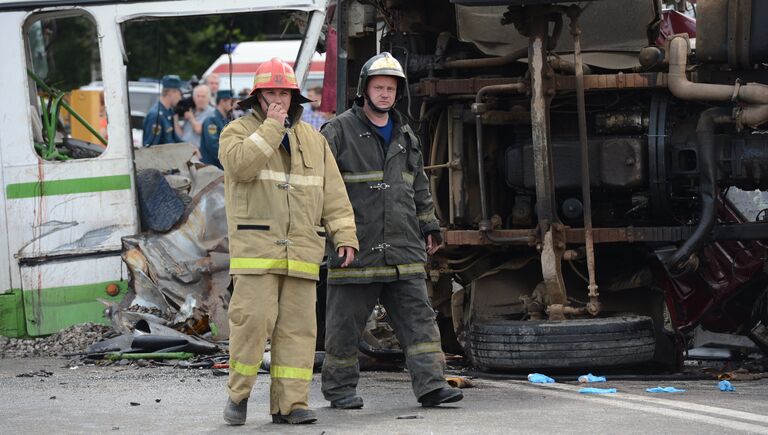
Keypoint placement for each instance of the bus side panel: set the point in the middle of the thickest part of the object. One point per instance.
(69, 208)
(59, 294)
(15, 130)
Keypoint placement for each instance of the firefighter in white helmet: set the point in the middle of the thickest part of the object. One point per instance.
(381, 162)
(284, 196)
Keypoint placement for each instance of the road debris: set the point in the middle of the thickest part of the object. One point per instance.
(115, 356)
(591, 390)
(664, 390)
(459, 382)
(40, 373)
(409, 417)
(538, 378)
(76, 338)
(725, 386)
(148, 337)
(589, 378)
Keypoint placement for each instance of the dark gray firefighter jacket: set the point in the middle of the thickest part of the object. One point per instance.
(389, 192)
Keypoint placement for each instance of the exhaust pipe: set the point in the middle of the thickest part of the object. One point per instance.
(684, 89)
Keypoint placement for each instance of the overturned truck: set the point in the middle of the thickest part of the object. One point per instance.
(594, 167)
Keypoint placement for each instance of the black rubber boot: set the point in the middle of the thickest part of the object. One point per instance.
(349, 402)
(441, 395)
(234, 414)
(297, 416)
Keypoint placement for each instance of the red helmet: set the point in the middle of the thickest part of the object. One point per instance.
(275, 74)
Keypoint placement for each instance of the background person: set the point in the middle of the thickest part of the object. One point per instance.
(213, 81)
(238, 110)
(160, 124)
(212, 127)
(193, 119)
(312, 114)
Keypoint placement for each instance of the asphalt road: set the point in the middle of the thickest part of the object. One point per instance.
(176, 401)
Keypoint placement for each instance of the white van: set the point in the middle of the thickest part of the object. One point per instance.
(247, 56)
(63, 215)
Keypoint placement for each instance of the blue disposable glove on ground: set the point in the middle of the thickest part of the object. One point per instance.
(664, 390)
(590, 390)
(538, 378)
(584, 379)
(725, 386)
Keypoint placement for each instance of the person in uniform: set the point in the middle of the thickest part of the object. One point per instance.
(212, 127)
(284, 195)
(159, 124)
(382, 165)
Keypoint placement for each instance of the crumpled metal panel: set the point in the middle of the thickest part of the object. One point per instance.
(185, 272)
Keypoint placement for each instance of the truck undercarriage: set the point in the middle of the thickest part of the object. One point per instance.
(593, 170)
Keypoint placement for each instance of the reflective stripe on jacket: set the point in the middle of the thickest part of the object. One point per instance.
(390, 195)
(281, 206)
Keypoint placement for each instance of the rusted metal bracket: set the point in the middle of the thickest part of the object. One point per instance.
(433, 87)
(552, 248)
(605, 82)
(593, 306)
(530, 237)
(542, 90)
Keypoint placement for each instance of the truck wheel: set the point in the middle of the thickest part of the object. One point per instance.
(579, 343)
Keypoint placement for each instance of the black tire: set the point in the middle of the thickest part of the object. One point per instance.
(580, 343)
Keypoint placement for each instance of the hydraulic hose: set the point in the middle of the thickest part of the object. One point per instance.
(705, 139)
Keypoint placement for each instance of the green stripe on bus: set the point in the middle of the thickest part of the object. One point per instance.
(12, 314)
(67, 187)
(49, 310)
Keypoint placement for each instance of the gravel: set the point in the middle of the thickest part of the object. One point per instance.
(76, 338)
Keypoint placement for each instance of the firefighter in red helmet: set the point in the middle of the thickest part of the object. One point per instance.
(284, 196)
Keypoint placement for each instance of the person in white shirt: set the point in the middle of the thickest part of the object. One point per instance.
(194, 118)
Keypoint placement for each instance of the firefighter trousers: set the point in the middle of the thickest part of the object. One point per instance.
(283, 308)
(348, 307)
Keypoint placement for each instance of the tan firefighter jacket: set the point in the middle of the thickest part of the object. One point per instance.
(281, 206)
(390, 194)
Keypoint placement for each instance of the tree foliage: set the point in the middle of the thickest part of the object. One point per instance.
(187, 46)
(65, 49)
(62, 51)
